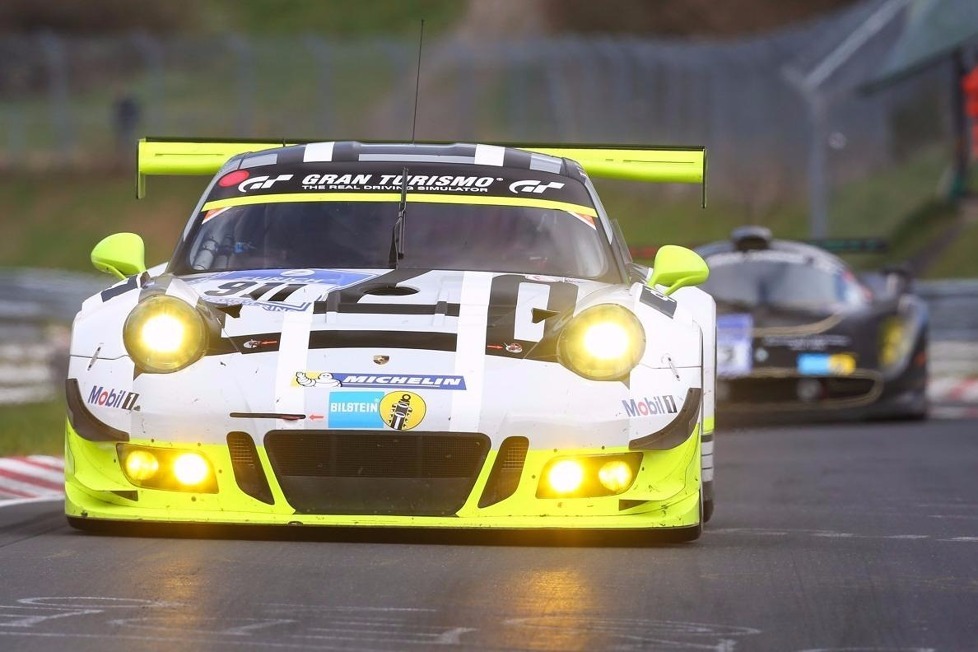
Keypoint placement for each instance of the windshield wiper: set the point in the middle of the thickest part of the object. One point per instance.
(397, 236)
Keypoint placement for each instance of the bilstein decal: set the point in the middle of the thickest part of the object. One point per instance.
(402, 410)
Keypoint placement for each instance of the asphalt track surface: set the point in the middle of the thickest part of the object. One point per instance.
(854, 538)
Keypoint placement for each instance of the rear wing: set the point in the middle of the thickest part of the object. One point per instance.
(158, 156)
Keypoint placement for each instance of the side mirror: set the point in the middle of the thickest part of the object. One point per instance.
(120, 254)
(676, 267)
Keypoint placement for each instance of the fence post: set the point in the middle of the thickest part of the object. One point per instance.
(322, 52)
(152, 54)
(244, 83)
(54, 59)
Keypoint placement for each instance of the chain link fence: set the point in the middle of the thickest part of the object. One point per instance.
(773, 135)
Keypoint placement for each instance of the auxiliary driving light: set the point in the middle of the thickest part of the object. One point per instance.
(615, 476)
(170, 469)
(141, 465)
(190, 469)
(164, 334)
(589, 476)
(565, 476)
(604, 342)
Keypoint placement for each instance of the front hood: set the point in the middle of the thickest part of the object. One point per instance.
(256, 306)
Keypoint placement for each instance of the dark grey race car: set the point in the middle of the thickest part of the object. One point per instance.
(800, 335)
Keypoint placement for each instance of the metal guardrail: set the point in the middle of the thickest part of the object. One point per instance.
(37, 306)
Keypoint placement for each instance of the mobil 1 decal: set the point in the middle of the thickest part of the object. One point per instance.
(522, 311)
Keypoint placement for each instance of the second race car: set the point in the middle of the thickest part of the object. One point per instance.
(799, 334)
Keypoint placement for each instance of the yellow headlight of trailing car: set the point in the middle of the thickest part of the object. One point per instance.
(399, 335)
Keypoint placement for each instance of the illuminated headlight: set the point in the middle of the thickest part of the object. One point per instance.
(894, 343)
(588, 476)
(163, 334)
(167, 468)
(602, 343)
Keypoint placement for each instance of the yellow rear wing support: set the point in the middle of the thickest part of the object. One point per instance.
(647, 164)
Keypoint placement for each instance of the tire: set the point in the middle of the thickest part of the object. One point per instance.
(707, 510)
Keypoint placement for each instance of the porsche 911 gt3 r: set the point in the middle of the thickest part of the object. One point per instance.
(354, 334)
(799, 334)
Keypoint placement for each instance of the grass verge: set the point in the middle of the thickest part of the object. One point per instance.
(32, 429)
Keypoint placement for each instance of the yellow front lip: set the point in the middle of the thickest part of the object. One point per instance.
(665, 494)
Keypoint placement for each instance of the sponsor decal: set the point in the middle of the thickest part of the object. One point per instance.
(355, 410)
(314, 379)
(649, 405)
(233, 178)
(348, 380)
(808, 343)
(253, 345)
(113, 398)
(823, 364)
(283, 276)
(262, 182)
(734, 344)
(402, 410)
(534, 186)
(381, 359)
(394, 182)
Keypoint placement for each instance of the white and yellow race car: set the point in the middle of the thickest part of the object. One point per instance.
(405, 334)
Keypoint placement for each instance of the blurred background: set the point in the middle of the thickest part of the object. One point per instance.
(822, 118)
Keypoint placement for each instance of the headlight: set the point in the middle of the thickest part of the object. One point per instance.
(163, 334)
(894, 343)
(171, 469)
(602, 343)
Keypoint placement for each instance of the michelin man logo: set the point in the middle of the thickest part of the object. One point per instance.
(316, 379)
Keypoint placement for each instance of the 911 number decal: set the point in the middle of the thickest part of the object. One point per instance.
(244, 289)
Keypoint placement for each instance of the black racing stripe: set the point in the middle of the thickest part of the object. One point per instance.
(346, 152)
(290, 155)
(440, 308)
(338, 300)
(383, 340)
(665, 305)
(419, 149)
(516, 158)
(131, 284)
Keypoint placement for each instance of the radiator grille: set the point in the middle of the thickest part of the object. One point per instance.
(371, 472)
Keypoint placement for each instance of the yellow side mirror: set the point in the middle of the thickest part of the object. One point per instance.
(120, 254)
(676, 267)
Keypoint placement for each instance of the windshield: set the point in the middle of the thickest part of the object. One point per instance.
(780, 280)
(358, 234)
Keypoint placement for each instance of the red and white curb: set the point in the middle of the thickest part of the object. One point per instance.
(953, 397)
(33, 476)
